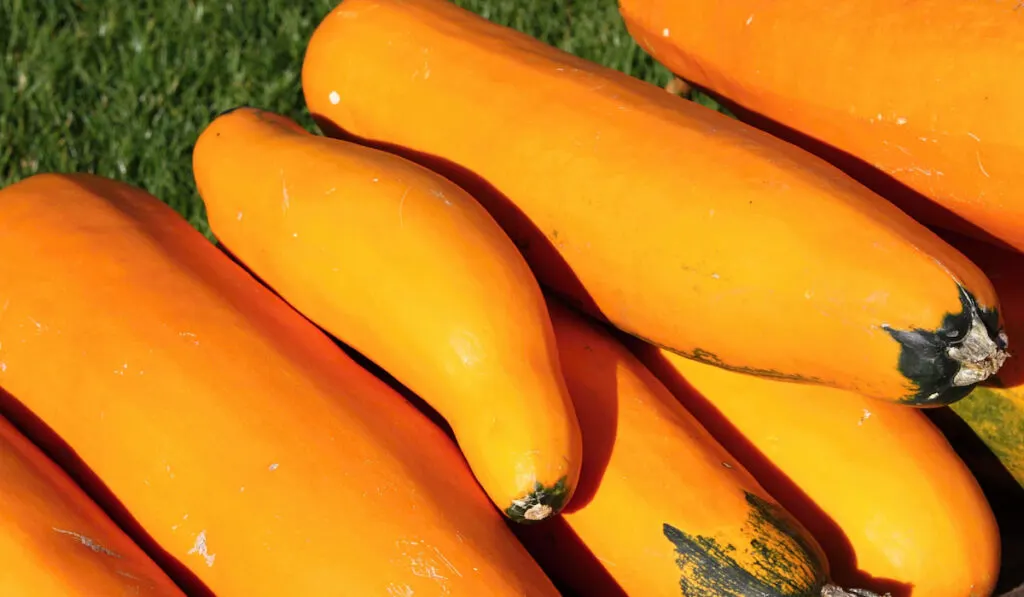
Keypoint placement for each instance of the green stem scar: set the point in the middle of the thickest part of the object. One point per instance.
(541, 503)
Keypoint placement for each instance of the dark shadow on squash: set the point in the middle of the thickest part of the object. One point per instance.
(918, 206)
(64, 455)
(1004, 494)
(834, 542)
(567, 561)
(545, 261)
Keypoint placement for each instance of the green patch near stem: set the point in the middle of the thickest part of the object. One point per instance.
(781, 562)
(540, 504)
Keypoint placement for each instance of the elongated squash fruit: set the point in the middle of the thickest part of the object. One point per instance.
(237, 434)
(995, 409)
(675, 223)
(55, 541)
(886, 83)
(412, 272)
(661, 504)
(889, 500)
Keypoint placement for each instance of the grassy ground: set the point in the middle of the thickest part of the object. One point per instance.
(123, 89)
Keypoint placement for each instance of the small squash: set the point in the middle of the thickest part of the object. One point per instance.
(408, 269)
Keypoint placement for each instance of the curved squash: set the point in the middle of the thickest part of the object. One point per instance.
(409, 270)
(663, 507)
(886, 84)
(675, 223)
(55, 541)
(995, 410)
(887, 497)
(238, 435)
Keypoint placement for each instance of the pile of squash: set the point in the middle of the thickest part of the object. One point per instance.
(518, 324)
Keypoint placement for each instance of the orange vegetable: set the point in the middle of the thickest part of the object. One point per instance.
(661, 505)
(995, 410)
(409, 270)
(920, 90)
(55, 541)
(238, 435)
(887, 497)
(675, 223)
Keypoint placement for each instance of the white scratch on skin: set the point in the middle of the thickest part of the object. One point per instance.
(285, 199)
(665, 32)
(864, 417)
(189, 335)
(200, 548)
(88, 543)
(401, 204)
(447, 563)
(169, 472)
(399, 590)
(750, 19)
(239, 216)
(715, 276)
(40, 327)
(128, 575)
(980, 165)
(331, 190)
(273, 467)
(901, 121)
(975, 137)
(3, 367)
(334, 98)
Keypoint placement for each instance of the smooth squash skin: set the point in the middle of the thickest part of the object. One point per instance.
(676, 223)
(238, 435)
(55, 541)
(926, 91)
(995, 410)
(892, 504)
(661, 505)
(408, 269)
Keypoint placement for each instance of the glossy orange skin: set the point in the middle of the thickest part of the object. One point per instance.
(238, 435)
(648, 462)
(892, 504)
(55, 541)
(676, 223)
(922, 90)
(411, 271)
(995, 410)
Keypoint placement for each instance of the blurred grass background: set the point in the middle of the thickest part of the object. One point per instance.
(122, 89)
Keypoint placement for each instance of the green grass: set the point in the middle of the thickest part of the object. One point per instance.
(122, 89)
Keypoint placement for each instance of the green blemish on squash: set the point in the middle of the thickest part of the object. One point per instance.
(781, 562)
(540, 504)
(999, 421)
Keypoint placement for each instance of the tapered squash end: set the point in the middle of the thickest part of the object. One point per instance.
(540, 504)
(944, 365)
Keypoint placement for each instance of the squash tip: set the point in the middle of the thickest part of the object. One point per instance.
(945, 364)
(540, 504)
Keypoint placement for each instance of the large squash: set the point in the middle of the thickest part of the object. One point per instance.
(237, 434)
(676, 223)
(408, 269)
(928, 92)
